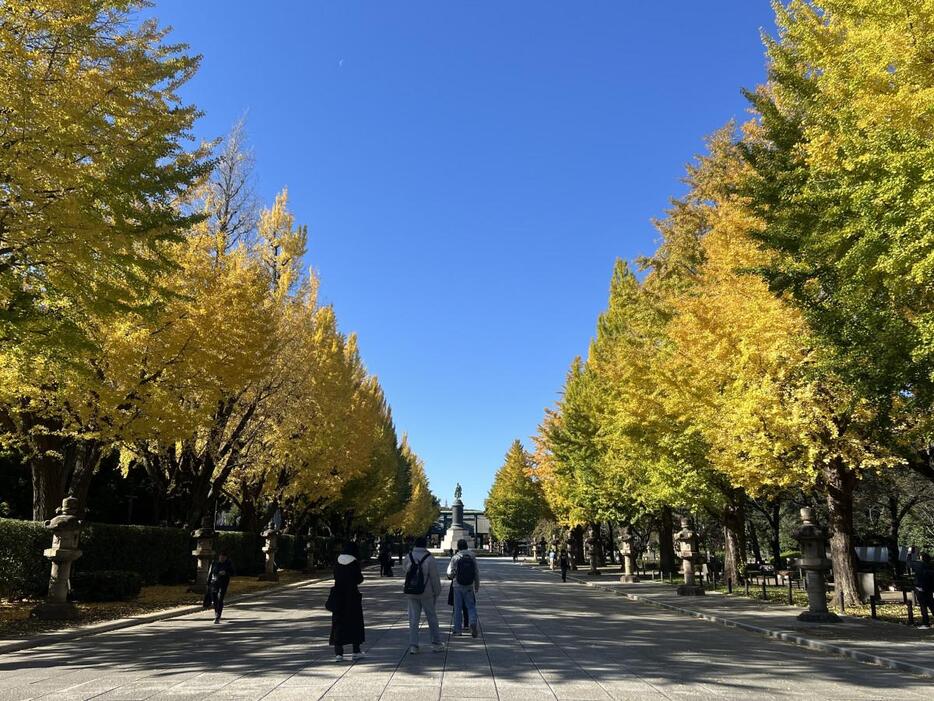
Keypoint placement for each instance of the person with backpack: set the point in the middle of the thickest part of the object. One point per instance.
(422, 588)
(346, 604)
(465, 577)
(565, 563)
(219, 576)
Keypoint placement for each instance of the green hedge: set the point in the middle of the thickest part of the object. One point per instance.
(157, 555)
(23, 569)
(106, 585)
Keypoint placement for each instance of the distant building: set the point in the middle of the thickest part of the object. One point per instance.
(476, 523)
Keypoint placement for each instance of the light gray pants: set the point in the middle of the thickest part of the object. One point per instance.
(416, 605)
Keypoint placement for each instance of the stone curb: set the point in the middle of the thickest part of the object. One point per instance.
(44, 639)
(784, 636)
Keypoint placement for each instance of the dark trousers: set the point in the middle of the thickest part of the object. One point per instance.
(926, 604)
(217, 595)
(339, 649)
(564, 574)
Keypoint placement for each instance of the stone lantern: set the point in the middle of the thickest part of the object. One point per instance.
(629, 556)
(66, 530)
(690, 557)
(591, 543)
(271, 534)
(814, 562)
(204, 552)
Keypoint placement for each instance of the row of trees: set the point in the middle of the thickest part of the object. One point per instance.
(779, 343)
(151, 309)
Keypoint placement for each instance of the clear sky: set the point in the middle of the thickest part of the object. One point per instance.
(468, 172)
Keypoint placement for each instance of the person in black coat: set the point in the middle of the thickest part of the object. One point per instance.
(347, 604)
(219, 575)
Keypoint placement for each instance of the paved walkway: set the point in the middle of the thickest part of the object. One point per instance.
(541, 640)
(898, 643)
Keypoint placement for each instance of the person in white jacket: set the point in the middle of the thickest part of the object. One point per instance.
(427, 600)
(464, 573)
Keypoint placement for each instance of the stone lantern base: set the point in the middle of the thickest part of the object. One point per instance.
(55, 611)
(819, 617)
(691, 590)
(628, 578)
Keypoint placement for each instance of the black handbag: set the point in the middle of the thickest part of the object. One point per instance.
(331, 603)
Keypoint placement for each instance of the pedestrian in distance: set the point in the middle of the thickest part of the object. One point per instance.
(345, 603)
(422, 588)
(464, 574)
(552, 559)
(515, 553)
(385, 561)
(924, 587)
(219, 575)
(564, 561)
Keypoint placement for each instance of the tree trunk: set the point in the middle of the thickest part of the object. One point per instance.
(775, 541)
(577, 543)
(85, 458)
(666, 545)
(754, 542)
(49, 477)
(734, 541)
(841, 483)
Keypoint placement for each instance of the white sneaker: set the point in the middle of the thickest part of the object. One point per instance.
(358, 656)
(413, 649)
(923, 627)
(437, 647)
(338, 658)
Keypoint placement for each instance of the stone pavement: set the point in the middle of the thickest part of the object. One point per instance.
(903, 646)
(541, 640)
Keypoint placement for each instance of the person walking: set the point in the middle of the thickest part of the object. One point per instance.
(924, 587)
(515, 553)
(219, 575)
(564, 561)
(385, 561)
(422, 588)
(464, 574)
(346, 604)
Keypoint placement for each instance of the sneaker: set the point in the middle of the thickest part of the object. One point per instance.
(413, 649)
(338, 658)
(217, 620)
(437, 647)
(457, 632)
(358, 656)
(923, 627)
(474, 630)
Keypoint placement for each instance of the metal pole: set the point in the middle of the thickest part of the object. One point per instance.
(840, 601)
(765, 594)
(911, 613)
(747, 586)
(729, 585)
(791, 596)
(872, 606)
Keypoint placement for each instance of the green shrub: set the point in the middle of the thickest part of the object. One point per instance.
(245, 549)
(106, 585)
(158, 555)
(23, 569)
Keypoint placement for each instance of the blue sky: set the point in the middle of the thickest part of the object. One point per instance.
(468, 172)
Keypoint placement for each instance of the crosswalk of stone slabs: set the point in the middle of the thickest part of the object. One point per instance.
(541, 639)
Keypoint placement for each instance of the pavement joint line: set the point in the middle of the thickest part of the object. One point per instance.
(55, 637)
(784, 636)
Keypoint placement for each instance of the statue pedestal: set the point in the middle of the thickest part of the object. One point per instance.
(454, 534)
